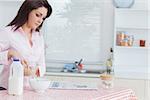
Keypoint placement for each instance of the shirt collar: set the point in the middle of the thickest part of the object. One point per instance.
(20, 30)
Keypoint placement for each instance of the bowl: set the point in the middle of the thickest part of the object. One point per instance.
(124, 3)
(39, 84)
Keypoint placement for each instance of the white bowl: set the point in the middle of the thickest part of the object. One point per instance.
(124, 3)
(39, 84)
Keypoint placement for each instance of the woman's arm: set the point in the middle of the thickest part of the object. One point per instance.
(3, 57)
(6, 53)
(4, 47)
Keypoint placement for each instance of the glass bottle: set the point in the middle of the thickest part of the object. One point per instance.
(108, 77)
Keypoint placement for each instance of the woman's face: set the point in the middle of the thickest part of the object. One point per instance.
(36, 17)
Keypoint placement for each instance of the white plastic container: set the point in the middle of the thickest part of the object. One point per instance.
(15, 81)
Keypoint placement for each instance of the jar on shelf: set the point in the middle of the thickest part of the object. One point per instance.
(123, 38)
(124, 42)
(131, 40)
(142, 43)
(120, 37)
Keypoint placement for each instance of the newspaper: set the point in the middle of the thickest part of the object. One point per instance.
(72, 85)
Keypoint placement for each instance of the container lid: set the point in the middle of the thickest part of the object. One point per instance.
(15, 59)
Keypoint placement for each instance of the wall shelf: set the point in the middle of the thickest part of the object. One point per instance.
(132, 47)
(132, 10)
(131, 22)
(133, 28)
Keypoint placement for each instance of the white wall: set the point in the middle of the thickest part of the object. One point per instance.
(8, 10)
(108, 28)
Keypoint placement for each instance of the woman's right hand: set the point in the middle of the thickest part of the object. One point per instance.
(13, 54)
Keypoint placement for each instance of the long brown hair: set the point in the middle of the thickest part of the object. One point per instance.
(27, 6)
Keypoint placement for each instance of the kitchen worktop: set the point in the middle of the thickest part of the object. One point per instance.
(60, 94)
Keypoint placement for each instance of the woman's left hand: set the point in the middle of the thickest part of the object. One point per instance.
(27, 71)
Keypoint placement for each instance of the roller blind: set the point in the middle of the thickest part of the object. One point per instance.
(74, 31)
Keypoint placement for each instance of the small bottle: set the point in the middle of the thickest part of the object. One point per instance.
(109, 64)
(108, 80)
(15, 81)
(130, 41)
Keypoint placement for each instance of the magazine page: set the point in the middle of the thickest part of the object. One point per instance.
(72, 85)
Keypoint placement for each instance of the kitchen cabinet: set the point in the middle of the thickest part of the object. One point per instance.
(131, 41)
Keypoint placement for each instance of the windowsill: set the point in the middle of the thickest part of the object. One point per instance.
(71, 74)
(96, 75)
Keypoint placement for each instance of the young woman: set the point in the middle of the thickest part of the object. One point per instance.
(22, 39)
